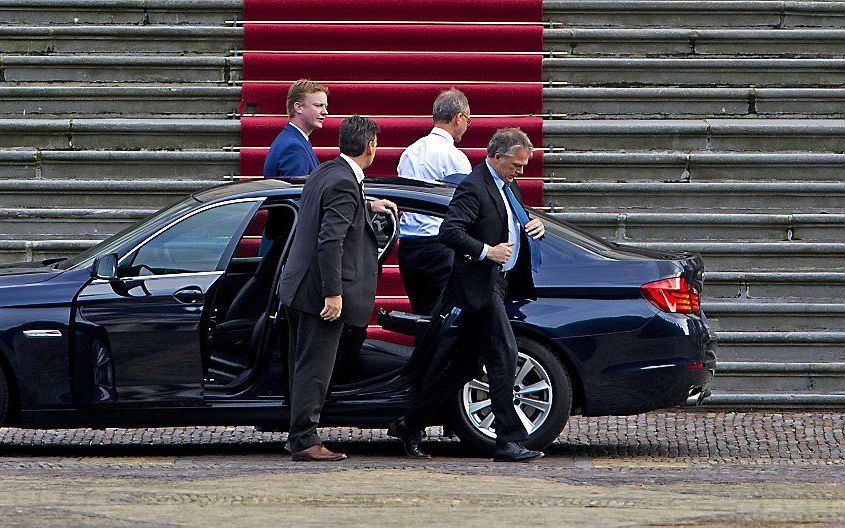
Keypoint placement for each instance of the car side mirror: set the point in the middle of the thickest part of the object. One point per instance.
(105, 267)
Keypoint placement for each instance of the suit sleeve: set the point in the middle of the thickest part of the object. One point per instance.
(293, 161)
(463, 212)
(338, 208)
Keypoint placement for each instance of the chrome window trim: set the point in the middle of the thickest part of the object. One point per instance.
(177, 221)
(165, 276)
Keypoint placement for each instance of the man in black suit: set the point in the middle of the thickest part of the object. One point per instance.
(329, 278)
(496, 249)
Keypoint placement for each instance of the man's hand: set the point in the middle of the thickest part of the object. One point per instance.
(384, 206)
(535, 228)
(500, 253)
(332, 308)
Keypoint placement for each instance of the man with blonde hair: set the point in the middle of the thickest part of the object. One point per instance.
(291, 153)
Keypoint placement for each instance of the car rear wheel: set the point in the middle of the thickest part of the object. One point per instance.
(542, 399)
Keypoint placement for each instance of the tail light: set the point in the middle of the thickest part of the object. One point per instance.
(672, 295)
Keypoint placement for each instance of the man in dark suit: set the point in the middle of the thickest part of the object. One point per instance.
(496, 249)
(291, 153)
(329, 278)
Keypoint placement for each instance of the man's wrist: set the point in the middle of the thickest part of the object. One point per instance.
(484, 252)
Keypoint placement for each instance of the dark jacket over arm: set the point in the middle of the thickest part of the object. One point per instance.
(477, 216)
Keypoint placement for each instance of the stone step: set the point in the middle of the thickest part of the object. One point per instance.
(627, 71)
(103, 68)
(812, 381)
(137, 194)
(669, 101)
(757, 256)
(695, 165)
(774, 316)
(183, 40)
(42, 99)
(807, 197)
(37, 223)
(709, 134)
(209, 165)
(786, 347)
(782, 285)
(185, 12)
(120, 133)
(677, 41)
(636, 225)
(125, 101)
(696, 13)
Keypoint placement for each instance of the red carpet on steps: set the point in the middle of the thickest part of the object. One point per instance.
(395, 131)
(454, 67)
(394, 10)
(399, 99)
(387, 159)
(389, 59)
(392, 37)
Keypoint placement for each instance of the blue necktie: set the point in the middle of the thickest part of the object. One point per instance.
(522, 217)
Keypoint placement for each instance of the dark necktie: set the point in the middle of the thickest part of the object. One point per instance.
(522, 217)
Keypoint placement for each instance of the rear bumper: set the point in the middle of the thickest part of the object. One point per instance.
(669, 363)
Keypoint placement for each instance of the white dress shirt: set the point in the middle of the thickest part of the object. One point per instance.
(513, 223)
(430, 158)
(300, 131)
(359, 172)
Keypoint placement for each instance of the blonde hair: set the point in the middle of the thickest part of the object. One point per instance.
(298, 91)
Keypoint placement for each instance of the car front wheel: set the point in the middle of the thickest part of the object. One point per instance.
(542, 400)
(4, 397)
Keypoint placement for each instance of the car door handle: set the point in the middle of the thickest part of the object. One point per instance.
(189, 295)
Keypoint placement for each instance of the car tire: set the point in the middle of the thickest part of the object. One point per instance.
(4, 397)
(468, 426)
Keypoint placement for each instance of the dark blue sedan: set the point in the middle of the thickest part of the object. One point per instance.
(171, 323)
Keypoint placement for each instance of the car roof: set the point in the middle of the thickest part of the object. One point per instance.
(275, 187)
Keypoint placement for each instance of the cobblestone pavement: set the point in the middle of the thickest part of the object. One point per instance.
(656, 469)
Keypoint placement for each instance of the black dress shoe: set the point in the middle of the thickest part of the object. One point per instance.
(514, 452)
(410, 439)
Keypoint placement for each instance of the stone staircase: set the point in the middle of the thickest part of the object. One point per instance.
(110, 110)
(711, 126)
(716, 127)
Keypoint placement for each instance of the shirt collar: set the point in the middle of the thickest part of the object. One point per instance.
(359, 172)
(500, 183)
(300, 131)
(437, 131)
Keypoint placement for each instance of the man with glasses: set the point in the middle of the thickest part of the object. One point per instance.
(424, 262)
(497, 250)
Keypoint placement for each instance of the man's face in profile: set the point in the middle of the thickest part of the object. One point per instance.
(313, 110)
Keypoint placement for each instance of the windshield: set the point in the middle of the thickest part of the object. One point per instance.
(115, 242)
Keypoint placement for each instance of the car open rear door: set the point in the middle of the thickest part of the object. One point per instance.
(138, 335)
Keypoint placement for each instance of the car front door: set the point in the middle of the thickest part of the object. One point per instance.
(138, 336)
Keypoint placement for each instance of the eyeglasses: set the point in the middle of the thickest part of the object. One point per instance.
(468, 118)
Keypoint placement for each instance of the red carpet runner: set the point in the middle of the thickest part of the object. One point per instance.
(388, 59)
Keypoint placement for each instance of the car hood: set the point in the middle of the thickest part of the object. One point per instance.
(21, 273)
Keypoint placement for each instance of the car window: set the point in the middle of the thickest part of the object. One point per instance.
(195, 244)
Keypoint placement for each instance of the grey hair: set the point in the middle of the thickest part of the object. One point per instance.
(506, 140)
(448, 104)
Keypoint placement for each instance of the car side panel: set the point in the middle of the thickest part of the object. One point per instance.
(35, 339)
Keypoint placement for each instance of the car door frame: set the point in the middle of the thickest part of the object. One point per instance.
(87, 390)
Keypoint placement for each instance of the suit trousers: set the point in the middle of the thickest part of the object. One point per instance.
(311, 356)
(486, 335)
(425, 265)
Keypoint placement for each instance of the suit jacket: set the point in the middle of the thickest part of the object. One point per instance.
(334, 249)
(477, 216)
(290, 155)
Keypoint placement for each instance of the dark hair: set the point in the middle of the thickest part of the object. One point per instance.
(355, 133)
